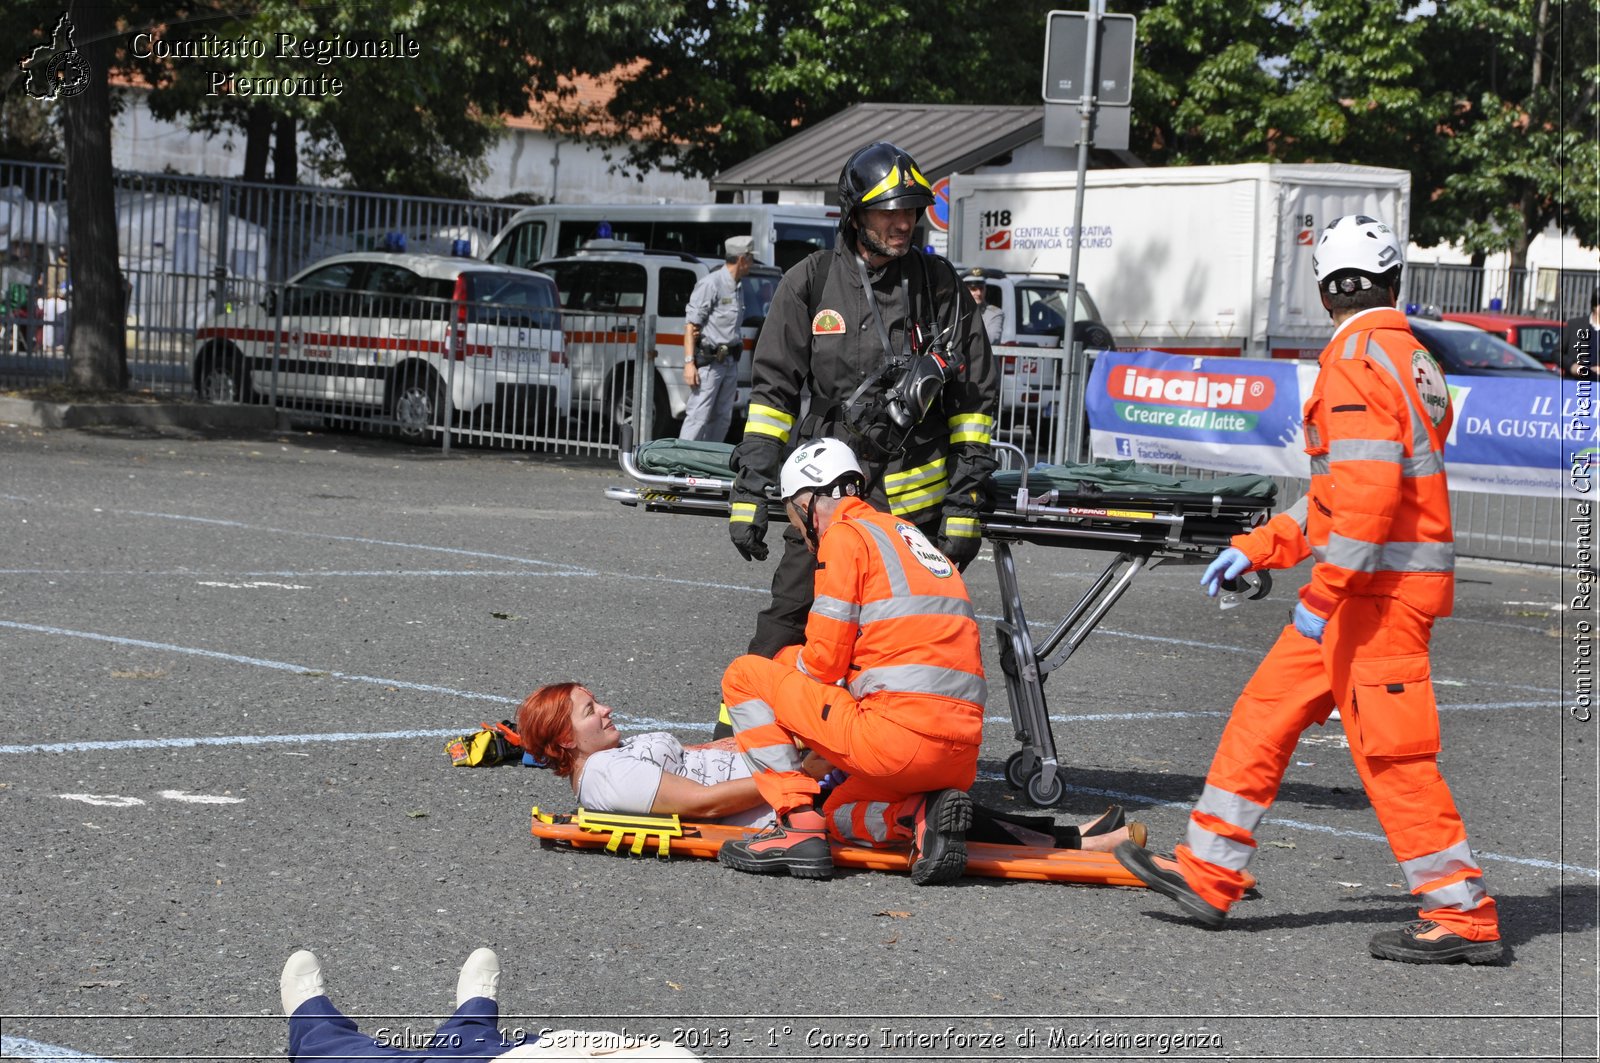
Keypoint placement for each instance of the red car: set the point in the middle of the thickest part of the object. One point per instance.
(1538, 336)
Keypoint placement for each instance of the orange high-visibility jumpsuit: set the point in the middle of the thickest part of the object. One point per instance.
(1377, 524)
(892, 618)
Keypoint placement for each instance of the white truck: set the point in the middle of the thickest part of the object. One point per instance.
(1205, 260)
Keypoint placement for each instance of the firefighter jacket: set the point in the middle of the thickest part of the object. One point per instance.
(1377, 517)
(821, 342)
(892, 618)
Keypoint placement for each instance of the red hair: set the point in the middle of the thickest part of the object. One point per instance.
(544, 722)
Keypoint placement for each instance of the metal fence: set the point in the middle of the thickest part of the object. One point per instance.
(192, 248)
(1549, 293)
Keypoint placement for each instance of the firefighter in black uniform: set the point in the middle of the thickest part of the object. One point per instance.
(905, 377)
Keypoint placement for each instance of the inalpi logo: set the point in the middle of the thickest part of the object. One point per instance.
(1238, 392)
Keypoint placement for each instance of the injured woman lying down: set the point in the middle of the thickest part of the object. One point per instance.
(654, 772)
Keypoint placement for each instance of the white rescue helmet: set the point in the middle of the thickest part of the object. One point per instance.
(820, 465)
(1356, 242)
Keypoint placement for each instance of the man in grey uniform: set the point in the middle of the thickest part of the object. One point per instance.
(976, 281)
(712, 345)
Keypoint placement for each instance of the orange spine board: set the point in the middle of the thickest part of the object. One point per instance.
(702, 840)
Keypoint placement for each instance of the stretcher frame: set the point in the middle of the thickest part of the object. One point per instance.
(1139, 532)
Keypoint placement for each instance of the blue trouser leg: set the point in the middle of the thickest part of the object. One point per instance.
(319, 1031)
(473, 1032)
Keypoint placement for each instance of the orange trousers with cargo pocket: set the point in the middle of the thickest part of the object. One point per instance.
(891, 766)
(1373, 665)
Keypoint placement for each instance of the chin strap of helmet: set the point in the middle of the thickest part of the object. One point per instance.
(808, 515)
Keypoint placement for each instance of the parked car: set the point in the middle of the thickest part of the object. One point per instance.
(1538, 336)
(1033, 309)
(378, 331)
(1462, 350)
(619, 281)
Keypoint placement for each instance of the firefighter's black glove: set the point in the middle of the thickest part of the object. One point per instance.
(960, 536)
(747, 525)
(756, 463)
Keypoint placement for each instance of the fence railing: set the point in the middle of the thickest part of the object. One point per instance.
(1549, 293)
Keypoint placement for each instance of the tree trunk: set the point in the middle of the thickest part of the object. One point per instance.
(285, 152)
(97, 351)
(257, 142)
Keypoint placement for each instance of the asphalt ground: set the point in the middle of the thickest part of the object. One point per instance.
(228, 665)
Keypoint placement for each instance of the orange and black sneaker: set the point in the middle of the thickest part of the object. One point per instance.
(797, 843)
(1425, 941)
(939, 837)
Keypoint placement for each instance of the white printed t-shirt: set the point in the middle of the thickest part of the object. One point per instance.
(625, 779)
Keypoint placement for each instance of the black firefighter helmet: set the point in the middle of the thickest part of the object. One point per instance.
(880, 176)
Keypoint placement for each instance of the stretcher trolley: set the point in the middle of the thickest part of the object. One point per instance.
(1141, 517)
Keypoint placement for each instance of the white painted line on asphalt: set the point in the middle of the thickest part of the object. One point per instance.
(23, 1048)
(199, 799)
(224, 740)
(234, 658)
(104, 800)
(457, 551)
(393, 573)
(252, 585)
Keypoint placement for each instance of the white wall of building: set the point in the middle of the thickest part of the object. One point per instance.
(1551, 249)
(530, 161)
(525, 161)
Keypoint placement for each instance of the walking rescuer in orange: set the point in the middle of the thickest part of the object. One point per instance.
(1376, 525)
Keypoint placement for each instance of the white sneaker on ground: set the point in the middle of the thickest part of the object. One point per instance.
(480, 977)
(301, 980)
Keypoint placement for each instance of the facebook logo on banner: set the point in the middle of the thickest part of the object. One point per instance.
(1124, 447)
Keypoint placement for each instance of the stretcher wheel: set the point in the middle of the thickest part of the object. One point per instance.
(1017, 769)
(1046, 796)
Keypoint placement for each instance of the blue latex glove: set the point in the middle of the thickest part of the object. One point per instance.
(1308, 623)
(832, 779)
(1230, 564)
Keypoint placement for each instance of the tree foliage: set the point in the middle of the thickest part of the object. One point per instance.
(417, 125)
(1489, 104)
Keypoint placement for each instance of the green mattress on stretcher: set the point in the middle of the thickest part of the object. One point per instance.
(1105, 479)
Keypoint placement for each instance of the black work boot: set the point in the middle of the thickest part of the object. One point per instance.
(1410, 946)
(797, 843)
(939, 837)
(1142, 865)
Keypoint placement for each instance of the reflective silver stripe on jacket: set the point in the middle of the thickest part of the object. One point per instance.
(1421, 870)
(837, 609)
(921, 679)
(1420, 443)
(899, 586)
(876, 826)
(1358, 555)
(1298, 511)
(1389, 450)
(916, 605)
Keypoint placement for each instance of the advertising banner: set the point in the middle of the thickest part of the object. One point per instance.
(1231, 414)
(1511, 435)
(1519, 435)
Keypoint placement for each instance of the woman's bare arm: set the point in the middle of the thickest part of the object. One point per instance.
(689, 798)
